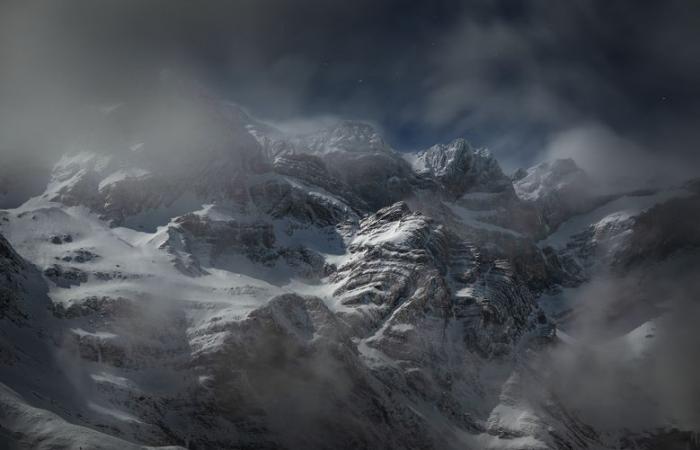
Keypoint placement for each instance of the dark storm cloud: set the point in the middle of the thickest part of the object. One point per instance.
(512, 75)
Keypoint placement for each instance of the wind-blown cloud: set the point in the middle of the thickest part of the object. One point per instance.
(509, 75)
(616, 163)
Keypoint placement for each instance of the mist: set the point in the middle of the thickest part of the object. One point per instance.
(322, 276)
(513, 77)
(624, 362)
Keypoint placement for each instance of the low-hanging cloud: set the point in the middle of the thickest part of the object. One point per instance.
(616, 163)
(629, 366)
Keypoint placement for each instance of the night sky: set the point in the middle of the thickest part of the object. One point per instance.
(523, 78)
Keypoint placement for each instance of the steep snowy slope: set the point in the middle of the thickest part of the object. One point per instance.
(47, 406)
(560, 190)
(628, 319)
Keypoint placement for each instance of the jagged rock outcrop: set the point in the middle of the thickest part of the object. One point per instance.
(460, 168)
(312, 170)
(393, 253)
(199, 240)
(11, 266)
(282, 198)
(403, 261)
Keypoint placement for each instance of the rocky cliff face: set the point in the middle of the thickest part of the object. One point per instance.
(11, 266)
(313, 291)
(461, 168)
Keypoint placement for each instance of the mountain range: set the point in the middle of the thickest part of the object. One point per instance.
(198, 278)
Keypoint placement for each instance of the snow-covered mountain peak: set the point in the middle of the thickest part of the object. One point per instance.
(438, 159)
(73, 163)
(550, 177)
(460, 167)
(345, 136)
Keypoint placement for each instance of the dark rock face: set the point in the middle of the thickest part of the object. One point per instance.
(118, 201)
(292, 361)
(663, 230)
(80, 256)
(623, 244)
(401, 259)
(65, 276)
(379, 179)
(11, 266)
(393, 253)
(195, 240)
(312, 169)
(93, 306)
(589, 251)
(461, 168)
(282, 198)
(62, 239)
(252, 239)
(10, 260)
